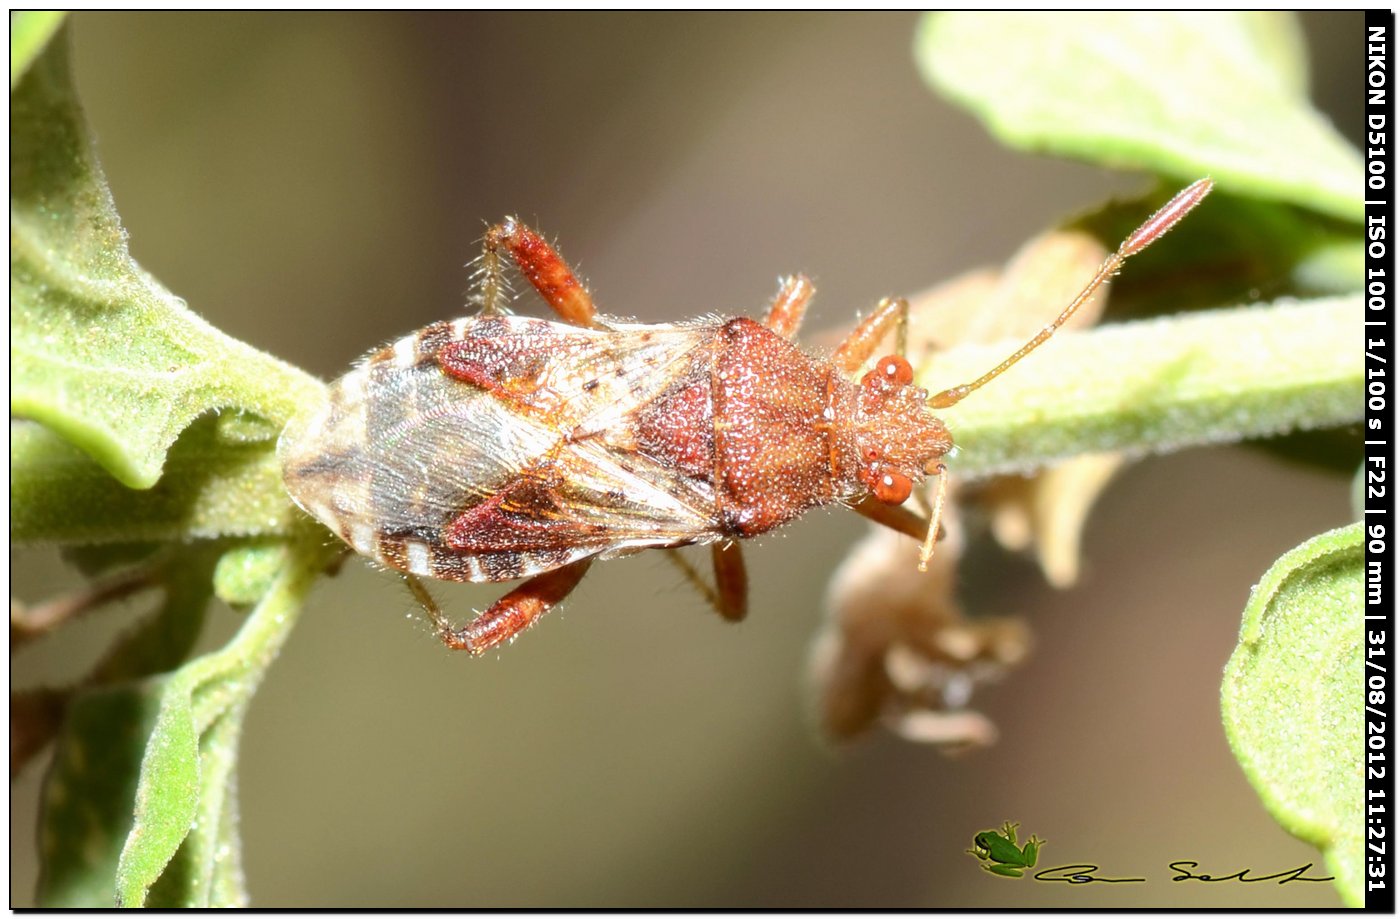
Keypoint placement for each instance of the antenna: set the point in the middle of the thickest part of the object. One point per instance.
(1152, 230)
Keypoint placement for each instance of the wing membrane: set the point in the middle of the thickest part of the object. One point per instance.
(422, 454)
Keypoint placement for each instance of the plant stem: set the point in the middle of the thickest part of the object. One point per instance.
(1158, 386)
(1146, 387)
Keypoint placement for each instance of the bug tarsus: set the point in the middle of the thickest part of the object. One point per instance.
(789, 305)
(730, 594)
(935, 522)
(858, 345)
(507, 617)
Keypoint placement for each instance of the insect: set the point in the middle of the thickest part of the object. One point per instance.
(498, 447)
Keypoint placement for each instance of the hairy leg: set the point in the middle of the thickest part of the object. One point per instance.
(730, 593)
(542, 266)
(785, 314)
(508, 616)
(856, 348)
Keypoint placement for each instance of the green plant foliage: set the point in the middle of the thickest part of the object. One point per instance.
(99, 351)
(210, 487)
(30, 32)
(246, 573)
(1237, 250)
(1199, 378)
(89, 789)
(145, 439)
(1185, 95)
(185, 806)
(115, 369)
(160, 642)
(88, 793)
(167, 741)
(1289, 698)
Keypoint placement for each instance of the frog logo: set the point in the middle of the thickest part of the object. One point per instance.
(999, 853)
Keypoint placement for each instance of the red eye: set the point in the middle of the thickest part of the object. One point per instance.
(892, 486)
(895, 369)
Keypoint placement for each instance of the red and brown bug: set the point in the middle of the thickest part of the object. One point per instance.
(497, 447)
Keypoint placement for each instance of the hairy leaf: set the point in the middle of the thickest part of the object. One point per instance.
(1289, 698)
(211, 486)
(1183, 94)
(207, 868)
(87, 795)
(246, 572)
(99, 351)
(1157, 385)
(30, 32)
(1230, 250)
(89, 789)
(184, 819)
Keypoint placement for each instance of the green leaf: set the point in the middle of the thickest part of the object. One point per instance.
(207, 868)
(99, 351)
(1157, 385)
(89, 789)
(185, 825)
(1289, 699)
(1231, 250)
(210, 487)
(1182, 94)
(30, 31)
(246, 573)
(167, 795)
(87, 795)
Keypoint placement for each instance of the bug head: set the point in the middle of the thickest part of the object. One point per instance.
(897, 438)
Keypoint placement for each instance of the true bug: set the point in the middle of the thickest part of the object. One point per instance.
(497, 447)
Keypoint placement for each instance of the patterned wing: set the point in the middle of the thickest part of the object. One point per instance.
(489, 449)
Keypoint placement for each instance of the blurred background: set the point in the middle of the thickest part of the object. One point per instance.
(314, 184)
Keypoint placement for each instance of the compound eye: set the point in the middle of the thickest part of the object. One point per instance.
(895, 369)
(892, 486)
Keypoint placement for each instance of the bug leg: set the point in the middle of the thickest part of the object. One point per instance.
(895, 516)
(862, 341)
(542, 266)
(898, 518)
(785, 314)
(494, 287)
(730, 595)
(731, 580)
(508, 616)
(936, 518)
